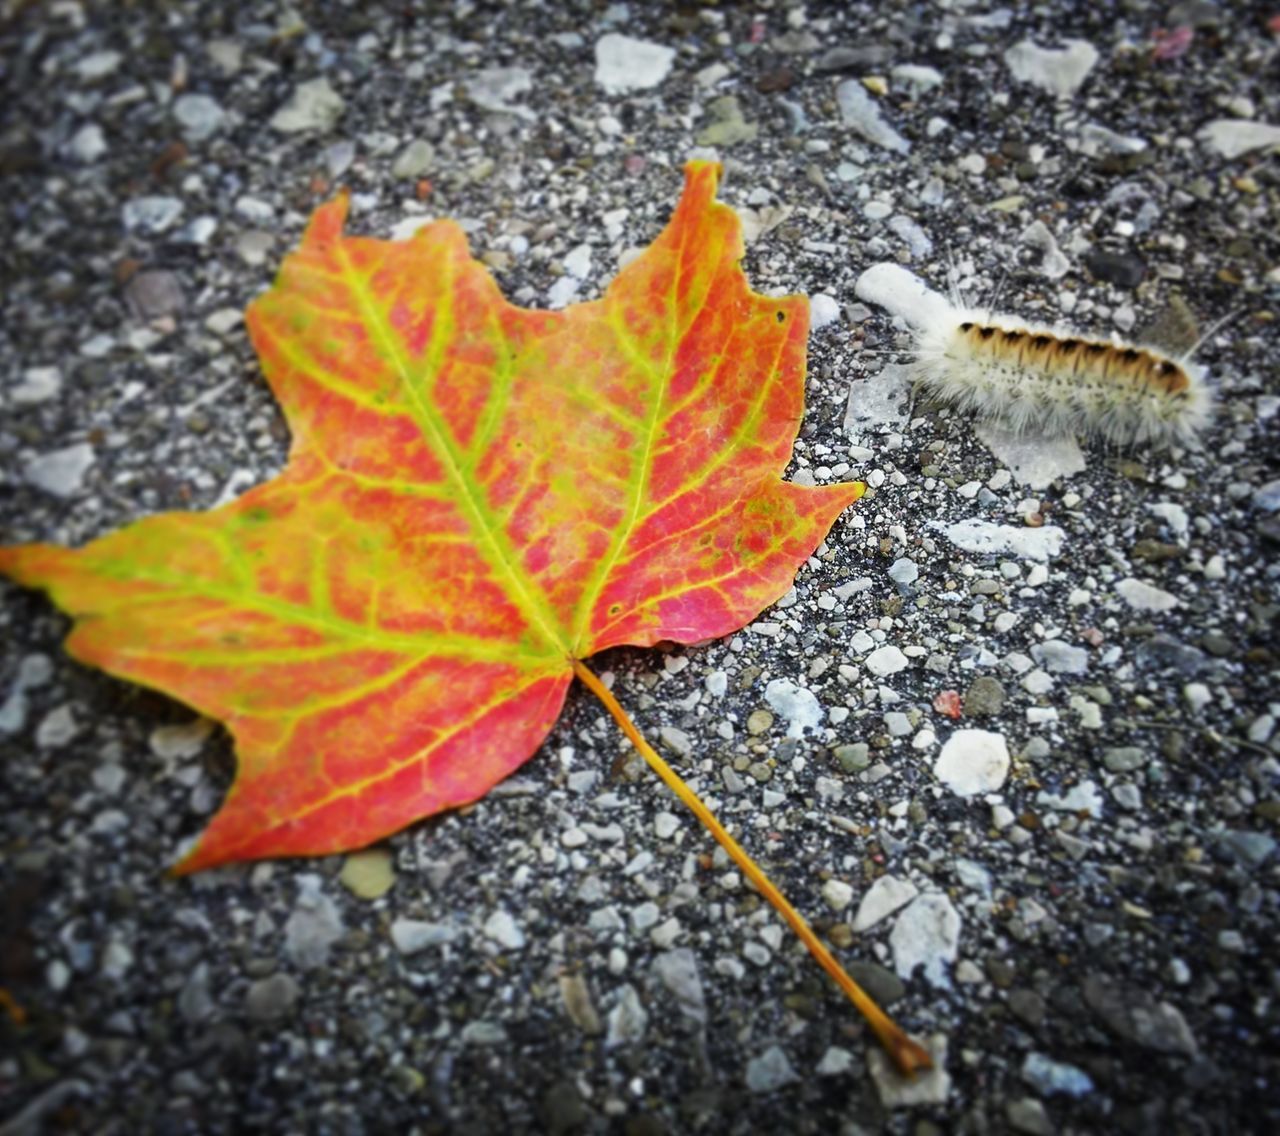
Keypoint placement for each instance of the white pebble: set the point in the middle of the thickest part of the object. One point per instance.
(926, 934)
(972, 762)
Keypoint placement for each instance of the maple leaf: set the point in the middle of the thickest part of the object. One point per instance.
(477, 497)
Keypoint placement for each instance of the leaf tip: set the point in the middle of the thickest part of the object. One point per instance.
(327, 221)
(701, 181)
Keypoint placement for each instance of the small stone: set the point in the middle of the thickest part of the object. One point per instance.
(927, 1087)
(862, 57)
(576, 996)
(904, 571)
(117, 959)
(834, 1062)
(98, 65)
(226, 55)
(678, 971)
(1028, 1115)
(1125, 270)
(314, 105)
(883, 898)
(223, 321)
(853, 757)
(313, 926)
(339, 156)
(987, 538)
(1061, 658)
(1085, 797)
(180, 741)
(666, 825)
(769, 1071)
(837, 894)
(796, 704)
(1233, 137)
(199, 116)
(1060, 72)
(823, 311)
(676, 740)
(409, 936)
(577, 262)
(502, 929)
(897, 724)
(1034, 461)
(1124, 759)
(628, 1019)
(493, 88)
(61, 472)
(1049, 1077)
(271, 999)
(862, 114)
(1138, 1017)
(154, 293)
(87, 144)
(1267, 497)
(57, 728)
(563, 1110)
(151, 214)
(759, 722)
(1197, 696)
(1141, 596)
(1250, 848)
(885, 661)
(926, 934)
(973, 762)
(984, 698)
(39, 384)
(627, 64)
(369, 874)
(1127, 795)
(483, 1033)
(195, 1003)
(916, 78)
(665, 934)
(882, 984)
(727, 126)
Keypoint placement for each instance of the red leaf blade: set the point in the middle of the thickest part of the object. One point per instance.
(476, 495)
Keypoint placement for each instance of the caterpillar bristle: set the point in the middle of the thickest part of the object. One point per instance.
(1040, 379)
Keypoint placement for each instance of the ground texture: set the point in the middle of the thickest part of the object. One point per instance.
(1087, 937)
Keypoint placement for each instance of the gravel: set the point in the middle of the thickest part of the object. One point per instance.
(1085, 939)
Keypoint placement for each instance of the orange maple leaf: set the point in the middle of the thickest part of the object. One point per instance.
(477, 498)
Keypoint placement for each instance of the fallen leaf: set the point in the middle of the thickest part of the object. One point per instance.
(476, 496)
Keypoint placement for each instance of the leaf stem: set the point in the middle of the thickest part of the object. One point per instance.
(908, 1055)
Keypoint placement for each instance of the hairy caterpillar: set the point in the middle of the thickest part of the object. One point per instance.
(1042, 379)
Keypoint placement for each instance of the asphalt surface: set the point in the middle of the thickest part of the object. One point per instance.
(1085, 932)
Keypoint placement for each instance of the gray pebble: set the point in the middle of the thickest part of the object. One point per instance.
(770, 1071)
(154, 293)
(1125, 270)
(1138, 1017)
(413, 935)
(272, 999)
(678, 971)
(984, 698)
(199, 116)
(1048, 1077)
(1251, 848)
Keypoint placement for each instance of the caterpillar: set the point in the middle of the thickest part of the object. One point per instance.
(1039, 379)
